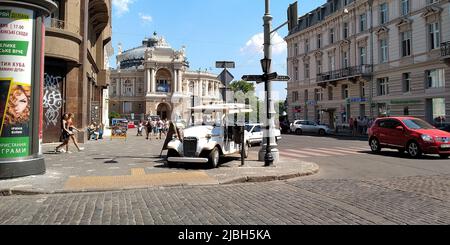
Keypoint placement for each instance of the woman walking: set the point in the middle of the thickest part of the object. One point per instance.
(71, 127)
(65, 135)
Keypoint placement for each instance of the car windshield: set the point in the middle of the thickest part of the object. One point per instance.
(417, 124)
(248, 127)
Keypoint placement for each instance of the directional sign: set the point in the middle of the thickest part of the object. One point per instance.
(225, 64)
(283, 78)
(272, 76)
(225, 77)
(252, 78)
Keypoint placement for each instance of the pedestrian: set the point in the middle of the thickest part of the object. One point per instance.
(72, 128)
(149, 129)
(140, 128)
(100, 131)
(65, 135)
(355, 127)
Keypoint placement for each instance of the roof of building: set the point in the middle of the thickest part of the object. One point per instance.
(319, 14)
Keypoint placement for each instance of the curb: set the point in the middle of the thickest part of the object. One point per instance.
(239, 180)
(255, 179)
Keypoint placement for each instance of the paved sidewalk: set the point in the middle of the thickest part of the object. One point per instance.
(135, 163)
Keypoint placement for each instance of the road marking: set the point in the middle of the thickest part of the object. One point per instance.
(292, 155)
(346, 150)
(303, 152)
(326, 151)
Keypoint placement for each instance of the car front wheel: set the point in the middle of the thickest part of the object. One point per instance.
(213, 158)
(375, 145)
(321, 132)
(414, 150)
(298, 131)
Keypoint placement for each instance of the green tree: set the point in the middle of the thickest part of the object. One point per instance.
(242, 85)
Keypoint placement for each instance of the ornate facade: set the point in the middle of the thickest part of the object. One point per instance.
(355, 58)
(153, 80)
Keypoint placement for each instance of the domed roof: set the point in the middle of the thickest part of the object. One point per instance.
(133, 58)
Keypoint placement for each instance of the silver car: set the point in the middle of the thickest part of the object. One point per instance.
(305, 126)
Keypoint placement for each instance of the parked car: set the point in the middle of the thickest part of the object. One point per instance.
(255, 133)
(305, 126)
(414, 135)
(208, 142)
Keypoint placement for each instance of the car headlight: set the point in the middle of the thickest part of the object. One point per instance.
(427, 138)
(208, 136)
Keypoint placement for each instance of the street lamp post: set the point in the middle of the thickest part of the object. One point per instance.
(192, 104)
(266, 65)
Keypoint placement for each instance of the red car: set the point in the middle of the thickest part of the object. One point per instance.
(414, 135)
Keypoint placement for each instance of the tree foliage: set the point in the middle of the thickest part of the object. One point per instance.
(242, 85)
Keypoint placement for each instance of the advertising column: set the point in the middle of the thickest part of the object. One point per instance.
(21, 52)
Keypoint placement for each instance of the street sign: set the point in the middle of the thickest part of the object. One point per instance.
(261, 78)
(283, 78)
(225, 64)
(225, 77)
(253, 78)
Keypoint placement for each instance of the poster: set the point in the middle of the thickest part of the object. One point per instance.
(16, 42)
(119, 128)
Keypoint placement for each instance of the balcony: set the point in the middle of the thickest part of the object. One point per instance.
(349, 73)
(103, 78)
(61, 25)
(445, 52)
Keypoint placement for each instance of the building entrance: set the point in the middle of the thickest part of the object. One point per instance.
(163, 111)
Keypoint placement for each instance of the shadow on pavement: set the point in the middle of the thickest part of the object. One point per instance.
(396, 154)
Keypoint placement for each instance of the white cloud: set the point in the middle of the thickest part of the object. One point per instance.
(256, 45)
(145, 18)
(122, 6)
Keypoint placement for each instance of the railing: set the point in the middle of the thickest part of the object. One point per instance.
(60, 24)
(345, 72)
(445, 49)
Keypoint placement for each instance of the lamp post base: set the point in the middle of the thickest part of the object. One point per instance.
(275, 155)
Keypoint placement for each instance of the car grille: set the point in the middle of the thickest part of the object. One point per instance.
(443, 139)
(189, 146)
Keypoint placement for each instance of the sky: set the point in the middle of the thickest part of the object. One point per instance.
(211, 30)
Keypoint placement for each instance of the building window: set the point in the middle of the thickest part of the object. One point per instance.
(306, 45)
(362, 56)
(362, 22)
(435, 78)
(295, 49)
(383, 86)
(362, 90)
(384, 51)
(162, 86)
(331, 35)
(331, 63)
(127, 107)
(345, 30)
(306, 95)
(294, 96)
(346, 2)
(434, 37)
(296, 73)
(383, 13)
(345, 59)
(406, 43)
(439, 112)
(319, 41)
(432, 1)
(404, 7)
(306, 70)
(318, 94)
(127, 88)
(319, 66)
(344, 91)
(406, 80)
(330, 93)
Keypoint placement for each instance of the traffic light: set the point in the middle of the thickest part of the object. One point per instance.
(292, 14)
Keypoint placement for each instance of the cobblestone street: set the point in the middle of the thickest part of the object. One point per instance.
(410, 200)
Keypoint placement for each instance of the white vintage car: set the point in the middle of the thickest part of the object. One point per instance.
(213, 139)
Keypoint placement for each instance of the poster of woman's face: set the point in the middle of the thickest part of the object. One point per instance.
(18, 107)
(4, 88)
